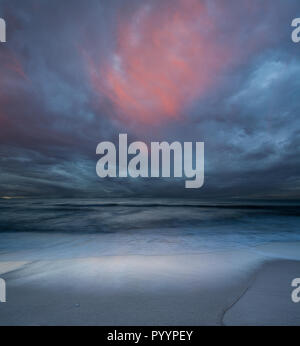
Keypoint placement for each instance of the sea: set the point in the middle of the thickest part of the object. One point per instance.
(95, 227)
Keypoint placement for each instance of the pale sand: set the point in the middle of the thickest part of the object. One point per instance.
(247, 286)
(268, 300)
(6, 267)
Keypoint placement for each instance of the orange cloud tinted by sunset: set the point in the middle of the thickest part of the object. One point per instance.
(165, 57)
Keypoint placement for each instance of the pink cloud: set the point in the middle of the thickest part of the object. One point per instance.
(164, 58)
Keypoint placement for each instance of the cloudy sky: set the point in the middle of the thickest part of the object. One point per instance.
(76, 73)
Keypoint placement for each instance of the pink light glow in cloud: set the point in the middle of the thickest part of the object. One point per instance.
(164, 58)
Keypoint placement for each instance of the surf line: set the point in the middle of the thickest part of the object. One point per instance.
(184, 162)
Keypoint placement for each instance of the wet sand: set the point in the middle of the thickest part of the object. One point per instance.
(233, 287)
(268, 301)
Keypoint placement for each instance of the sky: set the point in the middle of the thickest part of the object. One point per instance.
(76, 73)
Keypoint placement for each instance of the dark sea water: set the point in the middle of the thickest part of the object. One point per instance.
(189, 223)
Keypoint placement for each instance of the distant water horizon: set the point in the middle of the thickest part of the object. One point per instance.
(149, 224)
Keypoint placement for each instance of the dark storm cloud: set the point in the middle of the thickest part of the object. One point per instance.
(52, 116)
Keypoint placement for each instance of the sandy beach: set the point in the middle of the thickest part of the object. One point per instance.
(250, 286)
(267, 301)
(149, 163)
